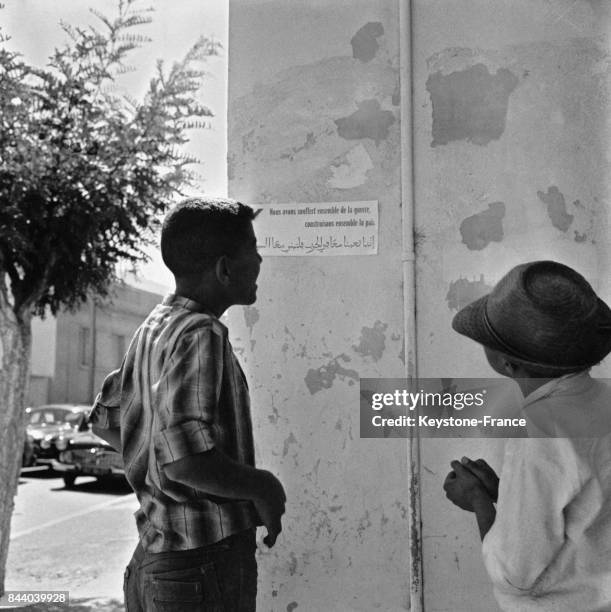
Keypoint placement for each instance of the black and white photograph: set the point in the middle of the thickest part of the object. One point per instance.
(305, 305)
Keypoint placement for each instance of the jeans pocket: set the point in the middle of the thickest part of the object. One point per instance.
(184, 590)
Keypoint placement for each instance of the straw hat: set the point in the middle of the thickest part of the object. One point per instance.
(541, 313)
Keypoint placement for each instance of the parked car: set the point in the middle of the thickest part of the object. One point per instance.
(44, 423)
(82, 453)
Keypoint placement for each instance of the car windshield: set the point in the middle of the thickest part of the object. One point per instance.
(54, 416)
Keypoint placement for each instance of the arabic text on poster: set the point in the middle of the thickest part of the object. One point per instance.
(329, 228)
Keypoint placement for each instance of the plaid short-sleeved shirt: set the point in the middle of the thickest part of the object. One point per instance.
(179, 391)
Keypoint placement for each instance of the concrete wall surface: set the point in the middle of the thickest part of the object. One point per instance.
(511, 151)
(510, 146)
(43, 346)
(314, 117)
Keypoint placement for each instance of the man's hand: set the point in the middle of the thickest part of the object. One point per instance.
(270, 506)
(486, 475)
(463, 488)
(213, 473)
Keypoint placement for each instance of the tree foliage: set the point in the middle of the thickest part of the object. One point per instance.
(84, 171)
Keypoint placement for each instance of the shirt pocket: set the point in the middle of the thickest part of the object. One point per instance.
(184, 590)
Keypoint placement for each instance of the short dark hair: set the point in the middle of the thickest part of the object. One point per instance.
(199, 230)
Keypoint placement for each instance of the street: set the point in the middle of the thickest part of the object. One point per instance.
(77, 540)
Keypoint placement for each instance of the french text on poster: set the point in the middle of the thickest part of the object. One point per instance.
(324, 228)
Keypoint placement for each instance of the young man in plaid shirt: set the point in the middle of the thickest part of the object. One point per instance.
(178, 409)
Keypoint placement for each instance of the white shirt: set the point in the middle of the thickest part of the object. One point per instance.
(550, 545)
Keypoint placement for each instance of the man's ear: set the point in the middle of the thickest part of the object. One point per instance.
(221, 270)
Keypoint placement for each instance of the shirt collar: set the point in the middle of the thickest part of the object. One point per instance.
(171, 299)
(569, 383)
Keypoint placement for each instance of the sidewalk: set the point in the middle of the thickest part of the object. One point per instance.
(85, 555)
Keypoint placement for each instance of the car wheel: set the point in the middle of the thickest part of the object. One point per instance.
(69, 480)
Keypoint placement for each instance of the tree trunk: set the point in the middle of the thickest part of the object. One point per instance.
(16, 336)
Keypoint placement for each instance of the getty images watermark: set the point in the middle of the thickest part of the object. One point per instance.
(452, 408)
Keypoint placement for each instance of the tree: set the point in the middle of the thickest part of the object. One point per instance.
(84, 175)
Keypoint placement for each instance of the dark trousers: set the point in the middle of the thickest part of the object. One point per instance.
(221, 577)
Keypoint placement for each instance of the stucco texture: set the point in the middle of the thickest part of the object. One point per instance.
(510, 150)
(511, 138)
(314, 117)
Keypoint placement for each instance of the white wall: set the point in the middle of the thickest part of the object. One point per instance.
(511, 160)
(321, 322)
(527, 82)
(43, 346)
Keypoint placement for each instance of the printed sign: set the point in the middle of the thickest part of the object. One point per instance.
(329, 228)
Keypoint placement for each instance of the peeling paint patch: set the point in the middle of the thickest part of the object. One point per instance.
(324, 377)
(287, 443)
(292, 570)
(402, 509)
(580, 237)
(273, 418)
(310, 141)
(251, 316)
(470, 104)
(556, 208)
(369, 121)
(479, 230)
(373, 341)
(352, 170)
(364, 43)
(463, 291)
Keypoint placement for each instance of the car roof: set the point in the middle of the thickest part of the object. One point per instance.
(71, 407)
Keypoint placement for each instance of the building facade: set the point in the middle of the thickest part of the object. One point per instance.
(74, 351)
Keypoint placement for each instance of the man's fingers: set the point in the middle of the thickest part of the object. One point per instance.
(480, 468)
(474, 467)
(460, 469)
(270, 540)
(272, 534)
(484, 473)
(450, 478)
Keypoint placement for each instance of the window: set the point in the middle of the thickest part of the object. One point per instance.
(84, 350)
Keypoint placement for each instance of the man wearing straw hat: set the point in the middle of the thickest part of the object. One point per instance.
(547, 543)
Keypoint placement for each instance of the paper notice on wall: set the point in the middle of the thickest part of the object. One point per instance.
(320, 228)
